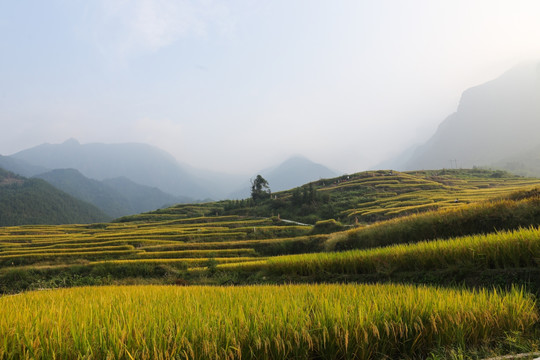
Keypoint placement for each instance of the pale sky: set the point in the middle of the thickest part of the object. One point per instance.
(240, 85)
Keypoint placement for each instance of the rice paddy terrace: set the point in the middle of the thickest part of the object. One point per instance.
(366, 197)
(404, 228)
(122, 250)
(379, 195)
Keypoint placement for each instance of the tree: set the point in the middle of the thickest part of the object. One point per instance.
(259, 189)
(297, 196)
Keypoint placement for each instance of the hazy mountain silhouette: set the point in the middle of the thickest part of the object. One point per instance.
(291, 173)
(147, 165)
(143, 198)
(494, 121)
(115, 197)
(33, 201)
(92, 191)
(20, 167)
(141, 163)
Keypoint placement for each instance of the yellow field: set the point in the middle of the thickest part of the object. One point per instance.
(512, 249)
(256, 322)
(172, 241)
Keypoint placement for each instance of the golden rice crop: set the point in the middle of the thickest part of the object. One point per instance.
(197, 253)
(257, 322)
(510, 249)
(476, 218)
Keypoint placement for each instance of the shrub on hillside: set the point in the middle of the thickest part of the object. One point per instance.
(327, 227)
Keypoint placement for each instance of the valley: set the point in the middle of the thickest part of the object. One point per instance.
(270, 180)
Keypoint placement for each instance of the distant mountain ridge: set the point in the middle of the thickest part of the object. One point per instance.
(494, 121)
(33, 201)
(115, 197)
(20, 167)
(525, 163)
(141, 197)
(141, 163)
(152, 167)
(287, 175)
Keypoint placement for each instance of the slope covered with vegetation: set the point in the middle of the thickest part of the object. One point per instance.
(365, 197)
(512, 256)
(34, 201)
(115, 197)
(519, 209)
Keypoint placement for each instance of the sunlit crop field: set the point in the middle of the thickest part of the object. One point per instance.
(509, 249)
(396, 194)
(184, 240)
(256, 322)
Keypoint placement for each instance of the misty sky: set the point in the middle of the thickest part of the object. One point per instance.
(238, 86)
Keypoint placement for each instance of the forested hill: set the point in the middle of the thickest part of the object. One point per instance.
(33, 201)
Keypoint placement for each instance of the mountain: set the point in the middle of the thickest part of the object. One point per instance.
(141, 163)
(494, 121)
(296, 171)
(92, 191)
(142, 198)
(20, 167)
(150, 166)
(33, 201)
(115, 197)
(291, 173)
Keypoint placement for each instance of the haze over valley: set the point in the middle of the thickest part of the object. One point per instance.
(495, 126)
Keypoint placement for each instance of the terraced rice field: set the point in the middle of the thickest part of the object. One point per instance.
(504, 250)
(390, 194)
(208, 244)
(178, 244)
